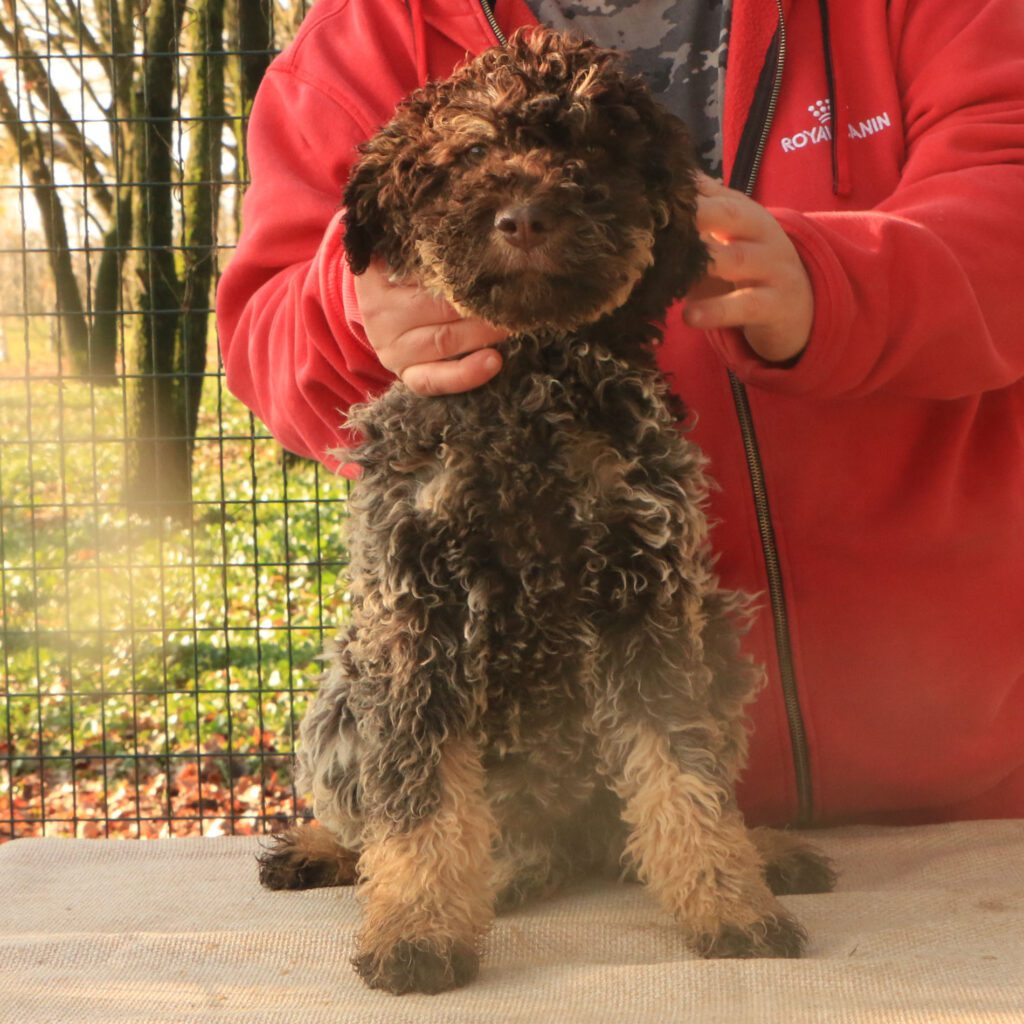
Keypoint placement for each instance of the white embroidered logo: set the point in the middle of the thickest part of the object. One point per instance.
(821, 111)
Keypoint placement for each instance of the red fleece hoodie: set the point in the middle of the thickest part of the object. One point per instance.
(874, 492)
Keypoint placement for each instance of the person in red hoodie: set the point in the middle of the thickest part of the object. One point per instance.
(854, 362)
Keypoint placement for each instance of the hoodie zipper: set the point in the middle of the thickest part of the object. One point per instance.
(755, 468)
(495, 27)
(780, 61)
(777, 596)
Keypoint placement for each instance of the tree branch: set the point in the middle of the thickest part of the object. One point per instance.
(37, 76)
(74, 22)
(32, 157)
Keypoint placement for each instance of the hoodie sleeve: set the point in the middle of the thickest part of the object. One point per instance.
(291, 339)
(921, 296)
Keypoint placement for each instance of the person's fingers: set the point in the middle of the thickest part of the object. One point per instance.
(755, 281)
(708, 287)
(731, 215)
(738, 261)
(395, 306)
(739, 308)
(708, 186)
(773, 330)
(452, 376)
(409, 304)
(426, 343)
(407, 325)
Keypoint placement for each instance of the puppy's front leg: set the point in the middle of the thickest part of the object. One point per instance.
(428, 883)
(691, 847)
(671, 756)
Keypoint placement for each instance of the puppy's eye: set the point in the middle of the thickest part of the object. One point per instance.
(477, 152)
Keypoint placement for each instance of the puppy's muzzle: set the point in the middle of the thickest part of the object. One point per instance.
(525, 225)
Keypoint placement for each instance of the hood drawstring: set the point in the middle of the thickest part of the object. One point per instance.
(840, 141)
(419, 39)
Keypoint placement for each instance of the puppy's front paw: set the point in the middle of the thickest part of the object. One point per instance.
(417, 967)
(776, 935)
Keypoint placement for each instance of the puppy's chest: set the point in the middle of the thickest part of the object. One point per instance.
(535, 462)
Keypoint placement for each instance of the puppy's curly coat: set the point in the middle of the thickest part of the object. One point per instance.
(541, 674)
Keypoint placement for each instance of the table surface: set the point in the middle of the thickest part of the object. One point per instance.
(926, 925)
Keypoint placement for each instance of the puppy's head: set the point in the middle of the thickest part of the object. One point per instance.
(539, 187)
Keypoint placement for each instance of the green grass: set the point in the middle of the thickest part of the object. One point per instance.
(129, 643)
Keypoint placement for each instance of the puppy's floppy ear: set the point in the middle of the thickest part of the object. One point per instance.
(680, 257)
(377, 210)
(679, 241)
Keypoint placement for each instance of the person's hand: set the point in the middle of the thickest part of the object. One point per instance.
(422, 340)
(756, 280)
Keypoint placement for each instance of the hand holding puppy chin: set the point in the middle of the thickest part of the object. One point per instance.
(421, 339)
(756, 280)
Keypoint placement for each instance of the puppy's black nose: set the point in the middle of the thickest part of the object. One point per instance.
(524, 226)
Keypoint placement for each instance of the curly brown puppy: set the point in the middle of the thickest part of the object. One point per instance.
(541, 675)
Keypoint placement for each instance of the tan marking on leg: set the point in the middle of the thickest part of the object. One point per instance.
(690, 848)
(317, 843)
(305, 857)
(433, 885)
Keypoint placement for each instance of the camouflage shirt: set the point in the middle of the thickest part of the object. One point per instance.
(678, 45)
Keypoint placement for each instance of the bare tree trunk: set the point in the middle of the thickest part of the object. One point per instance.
(157, 480)
(201, 195)
(107, 287)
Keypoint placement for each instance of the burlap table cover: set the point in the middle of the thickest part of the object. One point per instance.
(927, 925)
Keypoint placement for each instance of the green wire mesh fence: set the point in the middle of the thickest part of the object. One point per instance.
(168, 573)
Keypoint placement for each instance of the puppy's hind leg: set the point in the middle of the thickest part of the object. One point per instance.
(306, 857)
(792, 865)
